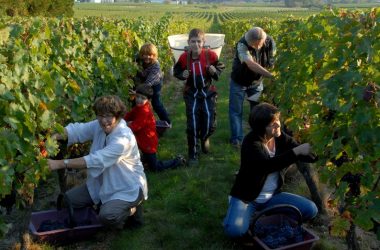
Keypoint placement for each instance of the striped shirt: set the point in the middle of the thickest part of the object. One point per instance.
(152, 74)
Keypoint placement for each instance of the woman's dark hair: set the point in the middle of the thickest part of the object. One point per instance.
(261, 116)
(110, 104)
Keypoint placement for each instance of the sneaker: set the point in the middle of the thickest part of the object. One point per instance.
(181, 160)
(132, 211)
(135, 220)
(205, 146)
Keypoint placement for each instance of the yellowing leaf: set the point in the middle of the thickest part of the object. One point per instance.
(46, 119)
(74, 86)
(4, 35)
(288, 120)
(42, 106)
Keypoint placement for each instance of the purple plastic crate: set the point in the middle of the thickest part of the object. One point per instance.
(309, 238)
(161, 127)
(86, 218)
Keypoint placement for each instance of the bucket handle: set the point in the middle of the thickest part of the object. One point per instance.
(64, 199)
(276, 209)
(205, 47)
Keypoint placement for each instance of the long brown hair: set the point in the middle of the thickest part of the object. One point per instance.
(260, 117)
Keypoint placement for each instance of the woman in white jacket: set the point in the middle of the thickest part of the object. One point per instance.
(115, 174)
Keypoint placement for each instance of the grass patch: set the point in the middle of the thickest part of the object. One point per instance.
(186, 206)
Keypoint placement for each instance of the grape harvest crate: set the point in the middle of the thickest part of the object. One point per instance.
(178, 43)
(161, 127)
(281, 227)
(87, 224)
(309, 238)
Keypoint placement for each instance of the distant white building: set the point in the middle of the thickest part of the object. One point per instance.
(184, 2)
(168, 1)
(100, 1)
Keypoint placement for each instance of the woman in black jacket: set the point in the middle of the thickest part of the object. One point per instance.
(265, 155)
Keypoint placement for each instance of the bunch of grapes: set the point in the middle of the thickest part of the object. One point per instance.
(275, 236)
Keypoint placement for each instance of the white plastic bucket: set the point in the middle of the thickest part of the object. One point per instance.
(179, 42)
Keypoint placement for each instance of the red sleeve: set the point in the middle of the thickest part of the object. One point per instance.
(213, 57)
(180, 66)
(182, 60)
(129, 115)
(140, 120)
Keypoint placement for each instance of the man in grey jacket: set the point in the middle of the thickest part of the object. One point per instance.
(254, 54)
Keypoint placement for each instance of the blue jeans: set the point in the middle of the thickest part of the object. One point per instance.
(154, 164)
(157, 105)
(236, 101)
(239, 214)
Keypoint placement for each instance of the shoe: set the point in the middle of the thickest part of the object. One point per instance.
(181, 160)
(135, 220)
(205, 146)
(133, 211)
